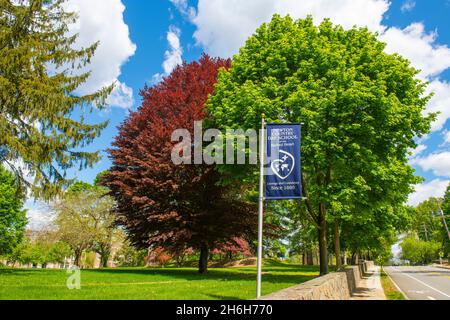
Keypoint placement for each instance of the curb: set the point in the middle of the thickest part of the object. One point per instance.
(441, 266)
(395, 284)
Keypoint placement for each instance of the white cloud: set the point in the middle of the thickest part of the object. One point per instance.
(446, 135)
(173, 56)
(39, 215)
(415, 152)
(121, 96)
(407, 6)
(224, 25)
(440, 102)
(435, 188)
(438, 163)
(420, 47)
(102, 20)
(184, 8)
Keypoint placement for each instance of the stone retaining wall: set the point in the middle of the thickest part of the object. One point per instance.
(333, 286)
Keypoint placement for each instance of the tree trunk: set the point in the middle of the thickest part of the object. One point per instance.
(104, 257)
(323, 250)
(316, 256)
(78, 254)
(203, 261)
(356, 259)
(337, 244)
(179, 259)
(309, 258)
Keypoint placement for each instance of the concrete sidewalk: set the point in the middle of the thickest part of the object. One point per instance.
(442, 266)
(369, 288)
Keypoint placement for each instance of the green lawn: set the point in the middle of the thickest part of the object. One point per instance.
(151, 283)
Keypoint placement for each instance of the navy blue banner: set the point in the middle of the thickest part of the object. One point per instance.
(283, 165)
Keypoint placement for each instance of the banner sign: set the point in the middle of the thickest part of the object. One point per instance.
(283, 165)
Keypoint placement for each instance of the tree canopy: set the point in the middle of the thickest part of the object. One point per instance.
(40, 135)
(361, 109)
(85, 219)
(161, 204)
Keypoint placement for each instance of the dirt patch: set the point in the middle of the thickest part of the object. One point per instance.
(248, 262)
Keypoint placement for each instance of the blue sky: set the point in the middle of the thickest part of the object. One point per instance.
(144, 40)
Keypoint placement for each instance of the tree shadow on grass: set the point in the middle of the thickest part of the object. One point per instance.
(275, 275)
(26, 272)
(273, 272)
(222, 297)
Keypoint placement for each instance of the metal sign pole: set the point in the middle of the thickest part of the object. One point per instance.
(261, 205)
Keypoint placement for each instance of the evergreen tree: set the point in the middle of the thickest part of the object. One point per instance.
(39, 76)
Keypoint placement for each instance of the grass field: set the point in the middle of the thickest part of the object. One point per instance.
(151, 283)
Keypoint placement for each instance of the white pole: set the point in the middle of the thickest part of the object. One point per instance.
(261, 206)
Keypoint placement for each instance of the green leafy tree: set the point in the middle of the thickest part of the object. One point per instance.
(32, 254)
(384, 254)
(129, 256)
(427, 222)
(418, 251)
(360, 106)
(85, 220)
(296, 228)
(40, 247)
(13, 219)
(16, 254)
(426, 219)
(59, 251)
(369, 232)
(39, 77)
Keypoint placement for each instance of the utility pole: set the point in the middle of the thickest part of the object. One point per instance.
(445, 223)
(426, 232)
(443, 219)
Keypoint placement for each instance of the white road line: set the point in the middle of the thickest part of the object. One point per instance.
(395, 284)
(431, 298)
(439, 291)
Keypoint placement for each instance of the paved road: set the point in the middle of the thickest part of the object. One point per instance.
(422, 283)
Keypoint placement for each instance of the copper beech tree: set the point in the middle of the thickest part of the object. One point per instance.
(166, 205)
